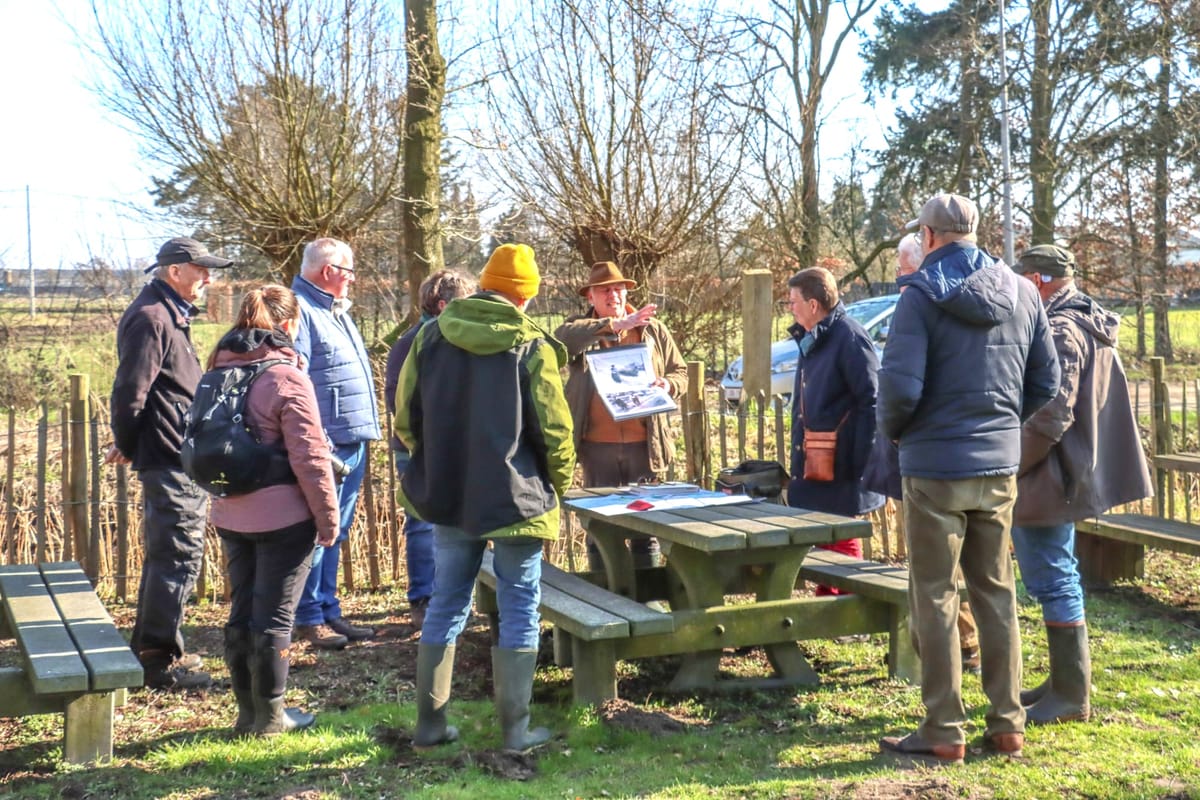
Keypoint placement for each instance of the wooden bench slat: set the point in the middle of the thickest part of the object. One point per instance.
(52, 660)
(1146, 530)
(868, 578)
(577, 617)
(642, 619)
(110, 662)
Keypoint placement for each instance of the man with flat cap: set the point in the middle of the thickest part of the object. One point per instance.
(617, 453)
(1081, 454)
(968, 358)
(157, 374)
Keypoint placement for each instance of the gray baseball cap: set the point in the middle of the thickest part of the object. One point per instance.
(949, 213)
(184, 250)
(1047, 259)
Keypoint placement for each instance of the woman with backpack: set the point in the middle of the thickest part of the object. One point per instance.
(268, 531)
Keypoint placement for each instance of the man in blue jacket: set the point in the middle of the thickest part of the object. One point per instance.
(969, 357)
(329, 343)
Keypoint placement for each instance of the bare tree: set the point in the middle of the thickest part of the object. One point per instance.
(280, 119)
(802, 40)
(605, 120)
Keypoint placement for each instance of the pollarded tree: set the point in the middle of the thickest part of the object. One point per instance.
(605, 119)
(285, 116)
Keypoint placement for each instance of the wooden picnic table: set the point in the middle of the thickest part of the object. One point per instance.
(714, 553)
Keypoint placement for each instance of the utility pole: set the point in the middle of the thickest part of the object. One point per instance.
(29, 249)
(1005, 157)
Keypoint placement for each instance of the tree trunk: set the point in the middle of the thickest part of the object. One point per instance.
(422, 148)
(1041, 148)
(1162, 186)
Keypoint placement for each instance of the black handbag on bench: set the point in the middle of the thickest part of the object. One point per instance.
(754, 478)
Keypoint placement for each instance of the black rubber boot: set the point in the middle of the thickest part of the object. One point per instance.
(269, 670)
(1031, 696)
(435, 669)
(237, 658)
(512, 674)
(1067, 699)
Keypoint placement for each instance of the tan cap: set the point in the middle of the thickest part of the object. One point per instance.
(950, 213)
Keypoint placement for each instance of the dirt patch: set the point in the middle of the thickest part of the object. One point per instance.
(924, 787)
(625, 715)
(501, 764)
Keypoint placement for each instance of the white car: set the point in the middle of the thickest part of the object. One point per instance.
(874, 313)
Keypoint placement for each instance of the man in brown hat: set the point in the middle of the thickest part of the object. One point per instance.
(616, 453)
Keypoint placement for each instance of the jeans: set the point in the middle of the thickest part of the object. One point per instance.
(418, 549)
(266, 575)
(1049, 569)
(614, 464)
(175, 511)
(318, 602)
(457, 556)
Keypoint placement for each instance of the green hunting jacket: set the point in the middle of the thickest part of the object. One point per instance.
(480, 406)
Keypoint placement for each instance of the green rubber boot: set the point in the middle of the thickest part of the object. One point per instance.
(435, 668)
(1068, 698)
(512, 673)
(237, 658)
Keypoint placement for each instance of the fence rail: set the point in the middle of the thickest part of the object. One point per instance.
(60, 502)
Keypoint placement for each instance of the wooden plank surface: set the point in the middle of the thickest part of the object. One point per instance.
(758, 532)
(667, 525)
(52, 661)
(642, 619)
(804, 527)
(577, 617)
(868, 578)
(1180, 462)
(110, 662)
(1143, 529)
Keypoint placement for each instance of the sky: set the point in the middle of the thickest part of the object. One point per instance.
(89, 191)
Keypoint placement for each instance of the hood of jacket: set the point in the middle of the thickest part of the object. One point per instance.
(249, 345)
(485, 323)
(967, 282)
(1085, 312)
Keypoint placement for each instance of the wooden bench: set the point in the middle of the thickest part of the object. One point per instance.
(588, 620)
(881, 582)
(1113, 546)
(75, 661)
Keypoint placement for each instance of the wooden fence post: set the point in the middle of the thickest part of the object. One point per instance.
(122, 533)
(1160, 426)
(79, 470)
(10, 525)
(695, 436)
(96, 556)
(43, 434)
(757, 315)
(368, 496)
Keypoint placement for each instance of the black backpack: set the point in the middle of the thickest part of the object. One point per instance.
(220, 452)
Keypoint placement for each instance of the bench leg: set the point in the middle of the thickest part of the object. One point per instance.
(1103, 561)
(595, 665)
(485, 603)
(903, 661)
(88, 729)
(563, 649)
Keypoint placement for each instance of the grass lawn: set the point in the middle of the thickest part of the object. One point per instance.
(818, 742)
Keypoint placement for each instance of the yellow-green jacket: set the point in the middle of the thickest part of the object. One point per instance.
(480, 406)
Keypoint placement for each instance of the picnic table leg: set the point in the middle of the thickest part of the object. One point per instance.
(617, 558)
(485, 603)
(776, 583)
(87, 729)
(595, 665)
(903, 661)
(695, 583)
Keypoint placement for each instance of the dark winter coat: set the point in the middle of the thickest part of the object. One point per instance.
(1081, 454)
(157, 374)
(835, 379)
(480, 406)
(968, 358)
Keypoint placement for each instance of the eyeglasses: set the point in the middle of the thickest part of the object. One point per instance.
(342, 267)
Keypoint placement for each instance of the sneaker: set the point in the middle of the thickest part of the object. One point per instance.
(355, 633)
(970, 660)
(416, 612)
(321, 637)
(174, 679)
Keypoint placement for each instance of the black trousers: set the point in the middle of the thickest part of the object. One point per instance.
(267, 572)
(174, 514)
